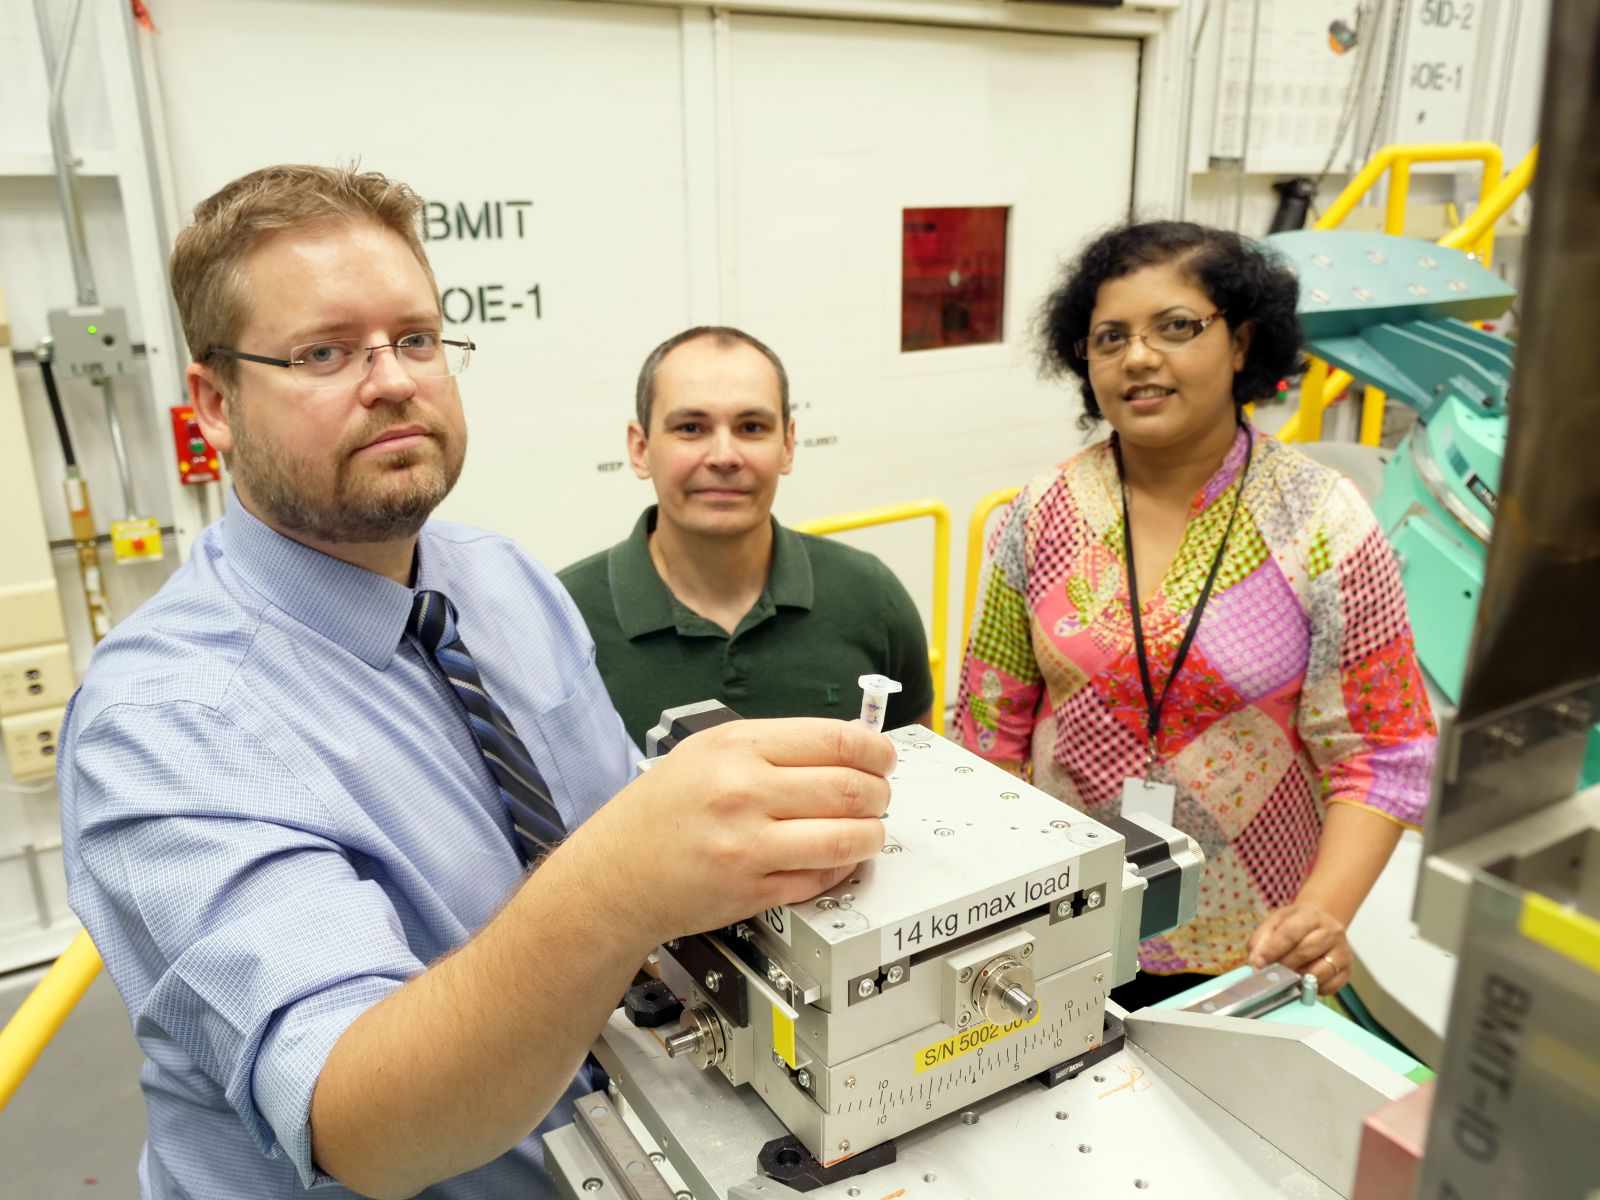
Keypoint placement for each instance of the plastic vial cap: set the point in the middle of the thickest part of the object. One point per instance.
(881, 684)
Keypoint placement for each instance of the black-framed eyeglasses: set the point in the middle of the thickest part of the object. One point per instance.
(1170, 333)
(343, 361)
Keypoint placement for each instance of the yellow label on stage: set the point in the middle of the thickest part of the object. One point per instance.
(783, 1035)
(967, 1041)
(136, 539)
(1569, 933)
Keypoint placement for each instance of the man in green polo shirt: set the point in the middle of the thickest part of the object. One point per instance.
(709, 597)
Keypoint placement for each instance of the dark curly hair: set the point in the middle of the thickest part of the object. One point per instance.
(1246, 280)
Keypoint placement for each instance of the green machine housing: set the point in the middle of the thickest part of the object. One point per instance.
(1395, 313)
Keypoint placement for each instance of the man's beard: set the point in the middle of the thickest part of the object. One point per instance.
(358, 502)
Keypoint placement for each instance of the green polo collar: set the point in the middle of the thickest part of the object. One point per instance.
(644, 605)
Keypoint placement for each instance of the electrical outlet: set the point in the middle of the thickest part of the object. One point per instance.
(35, 677)
(30, 741)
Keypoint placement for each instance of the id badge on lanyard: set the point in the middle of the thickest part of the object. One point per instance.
(1140, 793)
(1148, 796)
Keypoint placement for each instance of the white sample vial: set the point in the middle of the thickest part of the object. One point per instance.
(875, 693)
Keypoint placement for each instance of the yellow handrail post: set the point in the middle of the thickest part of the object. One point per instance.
(1401, 158)
(33, 1025)
(939, 634)
(1309, 426)
(1477, 231)
(1394, 210)
(1373, 403)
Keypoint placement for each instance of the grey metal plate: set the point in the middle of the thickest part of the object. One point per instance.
(1137, 1120)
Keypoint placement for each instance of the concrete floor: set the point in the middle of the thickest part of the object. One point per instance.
(75, 1126)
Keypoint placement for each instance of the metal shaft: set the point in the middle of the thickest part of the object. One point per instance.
(682, 1041)
(119, 448)
(1018, 1003)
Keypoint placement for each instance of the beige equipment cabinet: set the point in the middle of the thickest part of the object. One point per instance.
(36, 675)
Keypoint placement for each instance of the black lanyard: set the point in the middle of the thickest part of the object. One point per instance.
(1153, 706)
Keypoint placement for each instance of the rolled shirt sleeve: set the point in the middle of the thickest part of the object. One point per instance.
(251, 942)
(1364, 714)
(1001, 684)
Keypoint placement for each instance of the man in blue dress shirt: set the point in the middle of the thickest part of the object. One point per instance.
(288, 838)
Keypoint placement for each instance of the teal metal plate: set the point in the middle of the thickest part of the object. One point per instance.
(1351, 280)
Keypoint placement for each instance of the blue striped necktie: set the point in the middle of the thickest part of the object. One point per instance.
(539, 826)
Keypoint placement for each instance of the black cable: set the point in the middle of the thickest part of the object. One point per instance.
(1396, 29)
(57, 412)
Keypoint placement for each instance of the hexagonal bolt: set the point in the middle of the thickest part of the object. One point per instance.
(1094, 899)
(966, 975)
(896, 973)
(963, 1020)
(713, 980)
(844, 1145)
(1058, 824)
(865, 988)
(850, 1082)
(777, 1059)
(1064, 909)
(891, 848)
(1027, 950)
(803, 1078)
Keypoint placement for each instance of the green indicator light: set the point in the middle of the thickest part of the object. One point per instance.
(94, 329)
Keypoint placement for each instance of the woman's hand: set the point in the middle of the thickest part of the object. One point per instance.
(1307, 940)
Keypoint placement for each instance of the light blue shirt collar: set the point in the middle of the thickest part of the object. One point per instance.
(349, 605)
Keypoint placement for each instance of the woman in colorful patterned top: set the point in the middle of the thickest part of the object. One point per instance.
(1190, 613)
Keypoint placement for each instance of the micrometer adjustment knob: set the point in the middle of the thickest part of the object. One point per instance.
(698, 1037)
(682, 1041)
(1003, 991)
(1018, 1003)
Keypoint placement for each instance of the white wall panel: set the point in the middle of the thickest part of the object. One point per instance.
(836, 128)
(574, 107)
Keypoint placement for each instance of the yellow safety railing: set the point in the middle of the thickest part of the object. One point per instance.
(939, 634)
(28, 1032)
(976, 527)
(1322, 386)
(1480, 225)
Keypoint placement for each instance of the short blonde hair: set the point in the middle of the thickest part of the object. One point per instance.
(208, 257)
